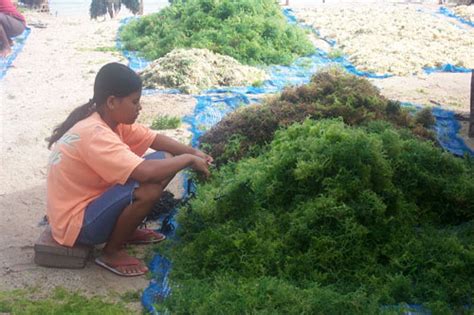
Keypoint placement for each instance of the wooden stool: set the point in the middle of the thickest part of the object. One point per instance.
(49, 253)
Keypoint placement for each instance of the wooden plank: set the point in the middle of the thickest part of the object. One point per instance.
(49, 253)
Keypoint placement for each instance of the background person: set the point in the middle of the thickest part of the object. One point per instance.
(12, 24)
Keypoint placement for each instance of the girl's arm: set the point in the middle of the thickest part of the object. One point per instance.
(183, 156)
(160, 170)
(164, 143)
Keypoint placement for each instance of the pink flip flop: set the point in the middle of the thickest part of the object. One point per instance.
(114, 269)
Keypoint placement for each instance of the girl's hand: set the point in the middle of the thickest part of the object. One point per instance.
(200, 165)
(204, 156)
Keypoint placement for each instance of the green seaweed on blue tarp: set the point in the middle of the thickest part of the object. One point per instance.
(213, 104)
(210, 109)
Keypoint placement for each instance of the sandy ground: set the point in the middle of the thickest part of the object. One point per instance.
(53, 74)
(452, 90)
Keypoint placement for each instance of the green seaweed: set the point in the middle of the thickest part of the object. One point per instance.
(162, 122)
(330, 219)
(331, 93)
(253, 32)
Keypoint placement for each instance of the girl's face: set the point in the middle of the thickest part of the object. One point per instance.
(125, 110)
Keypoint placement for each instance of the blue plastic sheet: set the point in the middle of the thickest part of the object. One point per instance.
(445, 11)
(446, 68)
(159, 287)
(135, 61)
(447, 132)
(19, 42)
(160, 267)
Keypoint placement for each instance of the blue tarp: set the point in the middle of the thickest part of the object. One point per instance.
(19, 42)
(135, 61)
(446, 68)
(159, 287)
(214, 104)
(447, 130)
(445, 11)
(211, 108)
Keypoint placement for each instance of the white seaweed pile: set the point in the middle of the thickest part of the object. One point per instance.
(396, 39)
(192, 70)
(465, 11)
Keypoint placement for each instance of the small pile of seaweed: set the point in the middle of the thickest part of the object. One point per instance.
(192, 70)
(331, 93)
(331, 219)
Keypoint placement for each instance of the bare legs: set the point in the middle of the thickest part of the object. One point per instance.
(6, 43)
(113, 254)
(110, 9)
(9, 27)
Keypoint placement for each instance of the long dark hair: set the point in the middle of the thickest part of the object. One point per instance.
(113, 79)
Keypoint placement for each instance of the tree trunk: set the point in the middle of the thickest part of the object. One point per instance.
(140, 12)
(471, 118)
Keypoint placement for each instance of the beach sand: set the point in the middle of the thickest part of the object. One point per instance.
(52, 75)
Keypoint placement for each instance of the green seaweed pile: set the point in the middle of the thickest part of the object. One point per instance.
(331, 93)
(251, 31)
(330, 219)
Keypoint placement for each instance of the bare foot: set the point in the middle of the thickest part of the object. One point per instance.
(122, 264)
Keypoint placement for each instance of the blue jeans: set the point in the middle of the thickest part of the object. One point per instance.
(102, 214)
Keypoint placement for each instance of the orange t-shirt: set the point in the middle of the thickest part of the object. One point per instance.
(87, 160)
